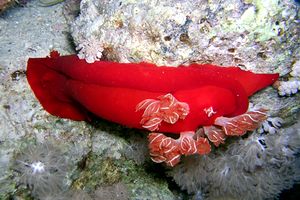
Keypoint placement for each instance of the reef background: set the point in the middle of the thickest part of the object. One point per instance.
(102, 160)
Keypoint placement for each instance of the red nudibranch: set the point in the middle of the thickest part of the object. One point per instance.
(178, 100)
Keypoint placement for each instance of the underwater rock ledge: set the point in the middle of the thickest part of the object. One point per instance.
(266, 40)
(261, 36)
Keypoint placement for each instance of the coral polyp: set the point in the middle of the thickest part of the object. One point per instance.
(42, 168)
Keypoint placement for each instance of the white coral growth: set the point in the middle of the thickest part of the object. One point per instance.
(271, 125)
(289, 87)
(292, 86)
(258, 167)
(296, 69)
(90, 50)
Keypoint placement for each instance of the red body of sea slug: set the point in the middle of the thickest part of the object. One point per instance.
(141, 95)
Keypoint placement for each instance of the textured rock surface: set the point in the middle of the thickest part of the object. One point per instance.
(262, 36)
(172, 32)
(105, 157)
(91, 150)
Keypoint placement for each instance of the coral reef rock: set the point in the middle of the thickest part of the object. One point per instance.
(173, 32)
(257, 35)
(31, 31)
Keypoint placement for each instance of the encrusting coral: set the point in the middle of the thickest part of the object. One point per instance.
(110, 192)
(171, 32)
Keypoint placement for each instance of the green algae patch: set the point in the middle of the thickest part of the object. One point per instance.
(143, 184)
(97, 172)
(258, 20)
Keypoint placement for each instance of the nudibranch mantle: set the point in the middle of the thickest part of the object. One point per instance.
(176, 100)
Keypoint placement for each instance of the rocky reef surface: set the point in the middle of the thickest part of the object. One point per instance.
(257, 35)
(44, 157)
(102, 160)
(171, 32)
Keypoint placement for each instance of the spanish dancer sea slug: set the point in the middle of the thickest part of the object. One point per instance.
(176, 100)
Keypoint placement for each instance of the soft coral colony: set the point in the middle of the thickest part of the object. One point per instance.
(163, 99)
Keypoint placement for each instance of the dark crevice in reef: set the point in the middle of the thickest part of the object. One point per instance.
(159, 172)
(291, 194)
